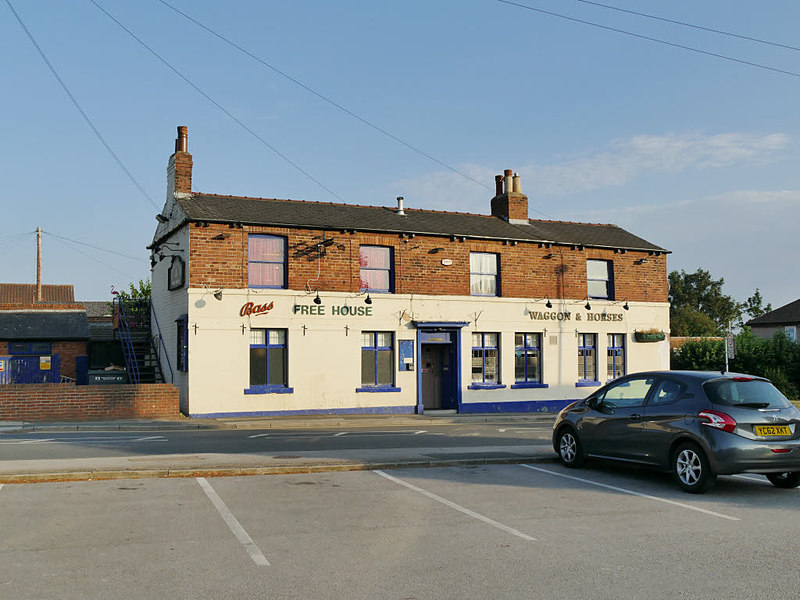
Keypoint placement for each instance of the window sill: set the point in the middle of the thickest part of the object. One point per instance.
(588, 384)
(529, 384)
(268, 389)
(266, 287)
(378, 388)
(486, 386)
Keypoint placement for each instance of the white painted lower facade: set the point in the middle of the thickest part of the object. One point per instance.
(323, 349)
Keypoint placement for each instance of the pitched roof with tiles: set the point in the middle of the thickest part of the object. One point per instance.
(44, 325)
(321, 215)
(785, 315)
(25, 293)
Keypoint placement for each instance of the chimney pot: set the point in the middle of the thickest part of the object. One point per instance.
(400, 210)
(509, 203)
(182, 143)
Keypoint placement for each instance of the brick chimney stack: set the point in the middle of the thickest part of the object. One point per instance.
(509, 203)
(179, 169)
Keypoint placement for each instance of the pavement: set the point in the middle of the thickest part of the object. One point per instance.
(217, 465)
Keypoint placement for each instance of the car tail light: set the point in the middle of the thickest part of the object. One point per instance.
(743, 379)
(781, 450)
(717, 420)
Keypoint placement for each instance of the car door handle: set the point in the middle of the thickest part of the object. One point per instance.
(634, 417)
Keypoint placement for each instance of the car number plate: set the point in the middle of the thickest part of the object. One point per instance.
(771, 430)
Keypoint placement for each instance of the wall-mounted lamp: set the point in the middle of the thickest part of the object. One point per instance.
(367, 300)
(221, 236)
(625, 306)
(549, 304)
(317, 299)
(548, 256)
(218, 295)
(587, 306)
(161, 218)
(641, 261)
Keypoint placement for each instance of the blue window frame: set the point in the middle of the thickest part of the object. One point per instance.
(528, 357)
(587, 358)
(182, 324)
(377, 361)
(600, 279)
(484, 274)
(266, 261)
(616, 355)
(376, 268)
(268, 361)
(485, 359)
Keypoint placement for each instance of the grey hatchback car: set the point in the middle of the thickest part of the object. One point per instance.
(695, 424)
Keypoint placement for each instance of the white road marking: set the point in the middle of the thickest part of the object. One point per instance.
(457, 507)
(258, 435)
(519, 429)
(759, 479)
(632, 493)
(237, 530)
(420, 432)
(341, 433)
(84, 440)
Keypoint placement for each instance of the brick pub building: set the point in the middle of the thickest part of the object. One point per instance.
(271, 306)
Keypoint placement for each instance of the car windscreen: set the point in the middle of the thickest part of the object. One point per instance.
(746, 393)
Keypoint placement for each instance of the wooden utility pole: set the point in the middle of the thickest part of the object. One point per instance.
(38, 264)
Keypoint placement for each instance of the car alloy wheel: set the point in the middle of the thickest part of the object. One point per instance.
(569, 449)
(692, 469)
(784, 480)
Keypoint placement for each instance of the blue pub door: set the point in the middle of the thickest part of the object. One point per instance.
(438, 370)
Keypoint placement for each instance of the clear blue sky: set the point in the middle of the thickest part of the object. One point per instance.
(692, 152)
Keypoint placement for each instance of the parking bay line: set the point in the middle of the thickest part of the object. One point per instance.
(458, 507)
(237, 530)
(632, 493)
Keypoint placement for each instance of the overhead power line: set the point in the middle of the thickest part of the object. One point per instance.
(323, 97)
(215, 103)
(685, 24)
(78, 106)
(651, 39)
(66, 243)
(61, 237)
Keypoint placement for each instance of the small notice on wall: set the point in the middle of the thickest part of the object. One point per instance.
(44, 363)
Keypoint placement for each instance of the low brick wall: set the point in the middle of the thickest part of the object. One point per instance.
(68, 402)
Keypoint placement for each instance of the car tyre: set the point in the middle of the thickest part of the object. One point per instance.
(784, 480)
(692, 469)
(570, 450)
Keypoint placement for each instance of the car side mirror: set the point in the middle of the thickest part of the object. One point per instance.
(593, 403)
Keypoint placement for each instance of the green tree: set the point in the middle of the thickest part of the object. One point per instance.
(140, 291)
(698, 307)
(754, 307)
(777, 359)
(699, 355)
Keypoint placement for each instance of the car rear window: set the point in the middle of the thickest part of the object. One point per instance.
(747, 393)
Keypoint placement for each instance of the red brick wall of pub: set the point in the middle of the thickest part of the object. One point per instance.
(68, 402)
(527, 270)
